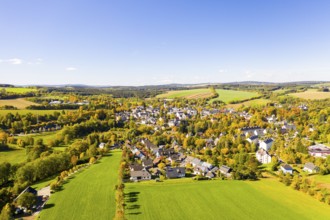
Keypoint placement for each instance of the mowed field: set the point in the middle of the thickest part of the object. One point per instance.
(19, 90)
(88, 195)
(188, 94)
(311, 94)
(216, 199)
(232, 95)
(13, 156)
(19, 103)
(253, 103)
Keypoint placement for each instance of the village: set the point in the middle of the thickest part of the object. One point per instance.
(172, 161)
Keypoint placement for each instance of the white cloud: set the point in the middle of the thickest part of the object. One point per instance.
(71, 69)
(13, 61)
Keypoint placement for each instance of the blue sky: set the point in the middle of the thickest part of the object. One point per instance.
(143, 42)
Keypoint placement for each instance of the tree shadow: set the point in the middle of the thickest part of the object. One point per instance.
(48, 206)
(131, 207)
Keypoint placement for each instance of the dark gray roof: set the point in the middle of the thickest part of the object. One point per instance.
(253, 137)
(175, 172)
(141, 173)
(269, 140)
(136, 167)
(286, 167)
(225, 169)
(147, 162)
(310, 166)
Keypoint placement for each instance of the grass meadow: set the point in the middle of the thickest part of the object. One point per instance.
(227, 96)
(188, 94)
(13, 156)
(253, 103)
(88, 195)
(311, 94)
(26, 111)
(19, 103)
(18, 90)
(216, 199)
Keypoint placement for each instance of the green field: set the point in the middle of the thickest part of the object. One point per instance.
(216, 199)
(26, 111)
(311, 94)
(88, 195)
(19, 90)
(232, 95)
(253, 103)
(13, 156)
(188, 94)
(19, 103)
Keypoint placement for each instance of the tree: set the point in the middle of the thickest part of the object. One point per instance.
(6, 213)
(27, 200)
(4, 172)
(92, 160)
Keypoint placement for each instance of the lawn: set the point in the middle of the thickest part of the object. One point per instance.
(19, 90)
(89, 195)
(13, 156)
(216, 199)
(19, 103)
(189, 94)
(311, 94)
(233, 95)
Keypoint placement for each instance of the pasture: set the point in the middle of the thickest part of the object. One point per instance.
(19, 103)
(216, 199)
(13, 156)
(26, 111)
(311, 94)
(253, 103)
(188, 94)
(227, 96)
(88, 195)
(19, 90)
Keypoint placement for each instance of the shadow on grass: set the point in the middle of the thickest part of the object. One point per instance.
(131, 199)
(48, 206)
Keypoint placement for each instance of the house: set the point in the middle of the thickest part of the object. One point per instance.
(147, 163)
(266, 144)
(140, 175)
(210, 175)
(177, 172)
(28, 189)
(214, 170)
(157, 160)
(225, 170)
(139, 155)
(200, 170)
(319, 150)
(311, 168)
(207, 165)
(248, 131)
(136, 167)
(253, 139)
(196, 162)
(263, 156)
(286, 168)
(150, 146)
